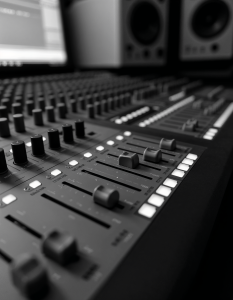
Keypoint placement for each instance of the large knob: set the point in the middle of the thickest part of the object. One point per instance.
(19, 152)
(105, 196)
(79, 129)
(3, 165)
(37, 145)
(67, 133)
(4, 127)
(54, 138)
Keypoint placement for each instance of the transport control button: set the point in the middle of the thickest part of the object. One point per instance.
(68, 133)
(147, 210)
(54, 138)
(29, 275)
(129, 160)
(4, 127)
(56, 172)
(37, 145)
(156, 200)
(60, 247)
(167, 144)
(178, 173)
(192, 156)
(73, 163)
(164, 191)
(151, 155)
(19, 152)
(35, 184)
(79, 129)
(170, 182)
(105, 196)
(8, 199)
(3, 165)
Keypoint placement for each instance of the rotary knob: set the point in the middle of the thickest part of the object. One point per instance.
(68, 133)
(38, 117)
(79, 129)
(19, 152)
(50, 113)
(37, 145)
(19, 123)
(3, 165)
(54, 138)
(4, 127)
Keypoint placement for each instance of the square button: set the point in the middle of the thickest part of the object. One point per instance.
(8, 199)
(127, 133)
(178, 173)
(119, 137)
(170, 182)
(192, 156)
(187, 161)
(100, 148)
(164, 191)
(147, 210)
(110, 143)
(73, 163)
(87, 154)
(35, 184)
(183, 167)
(56, 172)
(156, 200)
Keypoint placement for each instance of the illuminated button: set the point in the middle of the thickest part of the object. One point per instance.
(156, 200)
(147, 122)
(118, 121)
(147, 210)
(207, 137)
(127, 133)
(29, 144)
(178, 173)
(56, 172)
(35, 184)
(8, 199)
(100, 148)
(170, 182)
(142, 124)
(192, 156)
(73, 163)
(44, 139)
(187, 161)
(164, 191)
(119, 137)
(183, 167)
(10, 150)
(124, 119)
(213, 130)
(210, 133)
(129, 116)
(110, 143)
(87, 155)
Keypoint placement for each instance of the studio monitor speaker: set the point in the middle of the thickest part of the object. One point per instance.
(206, 31)
(117, 33)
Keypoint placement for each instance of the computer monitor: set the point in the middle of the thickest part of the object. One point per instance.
(31, 32)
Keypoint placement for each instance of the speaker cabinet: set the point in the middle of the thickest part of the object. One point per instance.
(118, 33)
(206, 30)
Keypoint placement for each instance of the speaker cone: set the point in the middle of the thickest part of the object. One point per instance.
(145, 23)
(210, 18)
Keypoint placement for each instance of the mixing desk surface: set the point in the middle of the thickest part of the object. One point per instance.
(109, 185)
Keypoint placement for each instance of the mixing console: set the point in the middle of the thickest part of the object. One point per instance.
(77, 195)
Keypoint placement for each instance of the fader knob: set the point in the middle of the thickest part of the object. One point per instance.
(19, 152)
(151, 155)
(129, 160)
(3, 165)
(79, 129)
(167, 144)
(38, 117)
(67, 133)
(4, 127)
(37, 145)
(29, 276)
(54, 138)
(19, 123)
(105, 196)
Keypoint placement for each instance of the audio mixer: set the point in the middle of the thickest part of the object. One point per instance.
(94, 208)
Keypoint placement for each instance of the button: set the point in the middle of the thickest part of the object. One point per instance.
(170, 182)
(8, 199)
(167, 144)
(68, 133)
(178, 173)
(127, 133)
(79, 129)
(43, 138)
(187, 161)
(29, 276)
(128, 160)
(87, 154)
(192, 156)
(54, 138)
(19, 152)
(147, 210)
(151, 155)
(183, 167)
(119, 137)
(118, 121)
(142, 124)
(73, 163)
(56, 172)
(3, 165)
(4, 128)
(37, 145)
(60, 247)
(105, 196)
(110, 143)
(35, 184)
(156, 200)
(164, 191)
(207, 137)
(100, 148)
